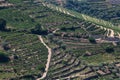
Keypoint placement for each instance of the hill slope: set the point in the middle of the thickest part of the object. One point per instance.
(80, 49)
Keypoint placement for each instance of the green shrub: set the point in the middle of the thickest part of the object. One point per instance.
(41, 68)
(5, 45)
(92, 40)
(27, 77)
(4, 58)
(2, 24)
(63, 28)
(63, 46)
(64, 62)
(109, 49)
(38, 30)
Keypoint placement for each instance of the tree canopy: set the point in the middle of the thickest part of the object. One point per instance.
(3, 58)
(38, 30)
(2, 24)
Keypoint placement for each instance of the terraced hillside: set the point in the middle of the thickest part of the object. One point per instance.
(102, 9)
(64, 65)
(80, 49)
(103, 24)
(27, 55)
(75, 57)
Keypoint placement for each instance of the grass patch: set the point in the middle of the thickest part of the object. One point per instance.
(98, 59)
(16, 19)
(6, 75)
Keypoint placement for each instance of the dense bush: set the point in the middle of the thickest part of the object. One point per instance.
(92, 40)
(109, 49)
(5, 45)
(64, 28)
(50, 37)
(4, 58)
(38, 30)
(64, 62)
(2, 24)
(27, 77)
(63, 46)
(41, 68)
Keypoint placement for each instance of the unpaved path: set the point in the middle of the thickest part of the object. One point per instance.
(48, 60)
(55, 30)
(118, 35)
(112, 33)
(108, 32)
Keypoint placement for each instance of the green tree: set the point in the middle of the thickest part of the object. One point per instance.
(63, 28)
(92, 40)
(41, 67)
(60, 42)
(109, 49)
(5, 45)
(64, 62)
(4, 58)
(63, 46)
(50, 36)
(38, 30)
(2, 24)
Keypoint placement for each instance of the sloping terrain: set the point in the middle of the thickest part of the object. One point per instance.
(103, 9)
(27, 55)
(73, 48)
(114, 30)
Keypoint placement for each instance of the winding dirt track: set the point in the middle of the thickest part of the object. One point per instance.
(48, 60)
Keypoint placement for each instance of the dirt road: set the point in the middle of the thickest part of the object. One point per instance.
(48, 60)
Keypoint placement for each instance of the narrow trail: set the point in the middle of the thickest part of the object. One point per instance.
(55, 30)
(108, 32)
(112, 33)
(118, 35)
(48, 60)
